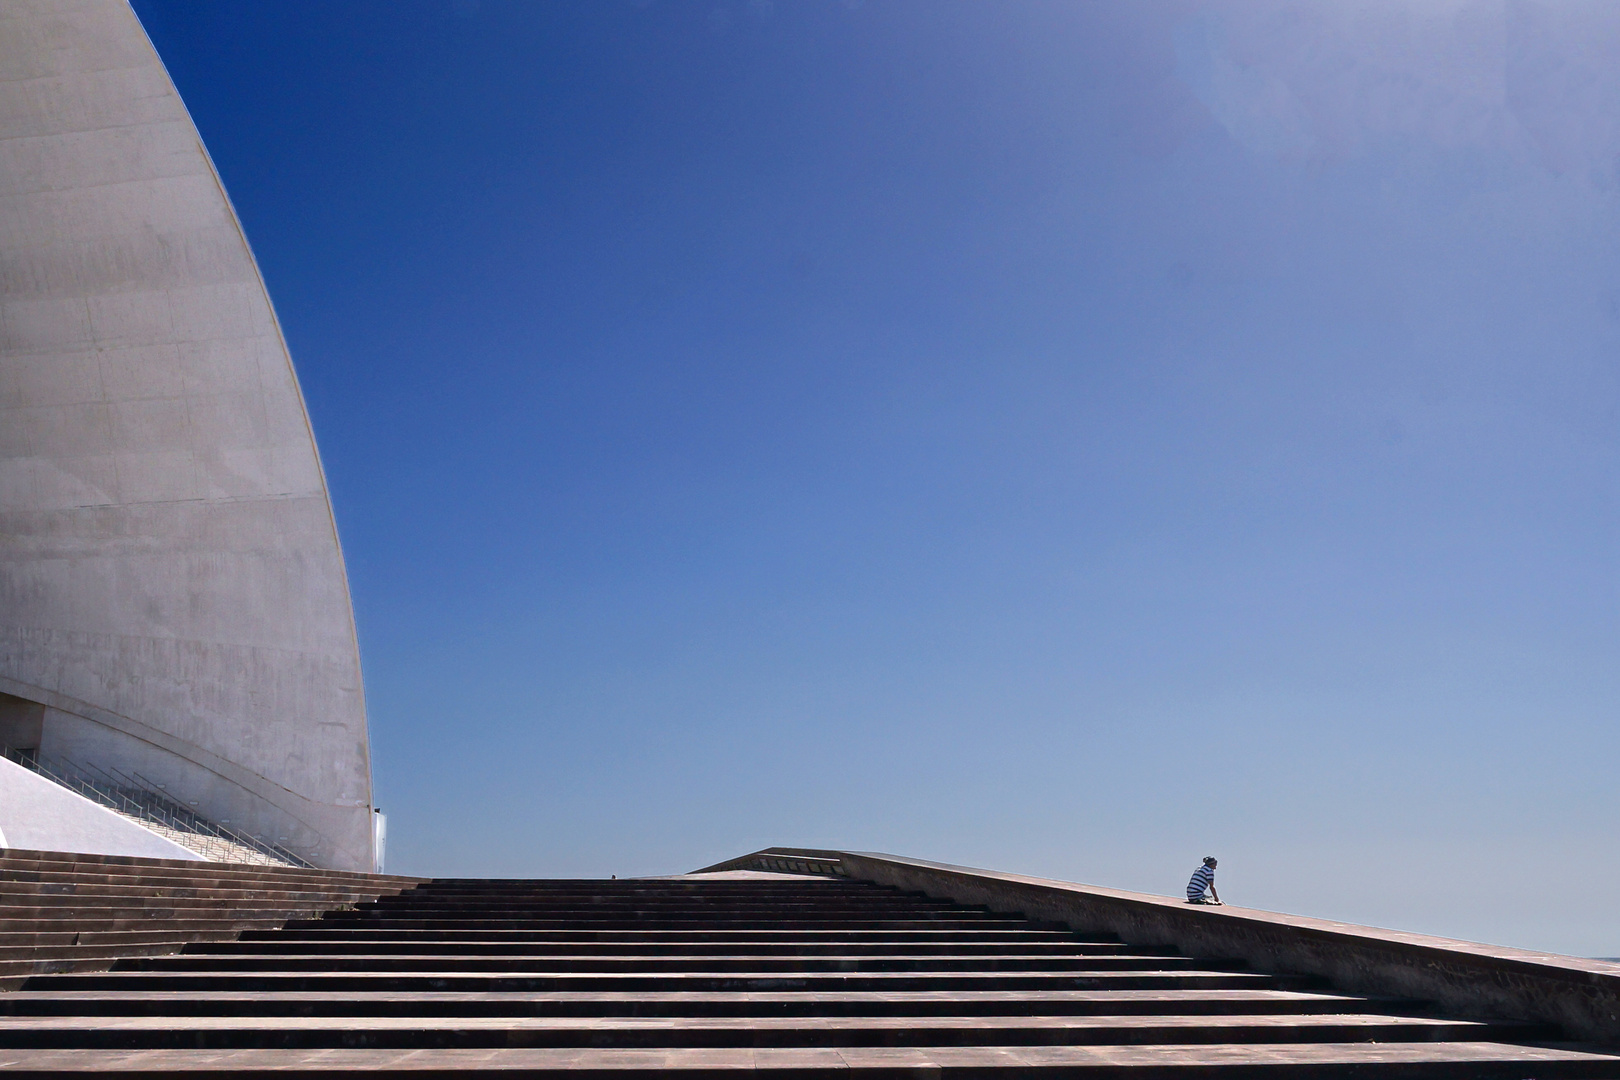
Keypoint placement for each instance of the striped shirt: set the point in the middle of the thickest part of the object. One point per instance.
(1202, 879)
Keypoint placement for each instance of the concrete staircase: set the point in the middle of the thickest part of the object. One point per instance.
(704, 976)
(213, 848)
(64, 912)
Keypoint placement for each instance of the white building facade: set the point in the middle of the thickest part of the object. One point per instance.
(173, 601)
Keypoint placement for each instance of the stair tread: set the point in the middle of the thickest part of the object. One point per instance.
(674, 978)
(1022, 997)
(638, 958)
(11, 1024)
(1567, 1062)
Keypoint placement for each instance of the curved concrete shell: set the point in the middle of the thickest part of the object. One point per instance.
(173, 601)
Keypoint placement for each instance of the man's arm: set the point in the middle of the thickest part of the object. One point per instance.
(1212, 892)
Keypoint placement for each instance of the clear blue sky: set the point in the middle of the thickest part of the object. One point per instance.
(1069, 438)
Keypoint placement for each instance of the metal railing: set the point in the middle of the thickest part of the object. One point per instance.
(149, 803)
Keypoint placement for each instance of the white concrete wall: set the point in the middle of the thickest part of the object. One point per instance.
(38, 815)
(171, 585)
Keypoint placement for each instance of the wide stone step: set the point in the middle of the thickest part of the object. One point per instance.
(315, 929)
(492, 982)
(689, 1003)
(362, 921)
(708, 887)
(234, 1032)
(1340, 1061)
(429, 895)
(176, 880)
(15, 973)
(720, 915)
(308, 945)
(62, 906)
(830, 891)
(21, 857)
(159, 920)
(75, 952)
(110, 918)
(113, 938)
(14, 892)
(199, 873)
(853, 900)
(184, 883)
(366, 911)
(283, 962)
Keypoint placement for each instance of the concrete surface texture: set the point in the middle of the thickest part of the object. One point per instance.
(33, 809)
(173, 600)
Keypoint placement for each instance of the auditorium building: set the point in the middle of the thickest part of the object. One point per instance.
(177, 646)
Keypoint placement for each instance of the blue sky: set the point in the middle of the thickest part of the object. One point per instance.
(1065, 438)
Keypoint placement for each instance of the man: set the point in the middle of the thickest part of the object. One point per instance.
(1203, 880)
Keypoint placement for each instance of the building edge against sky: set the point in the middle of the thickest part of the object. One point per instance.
(173, 601)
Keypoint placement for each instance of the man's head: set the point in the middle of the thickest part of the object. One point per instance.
(1209, 861)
